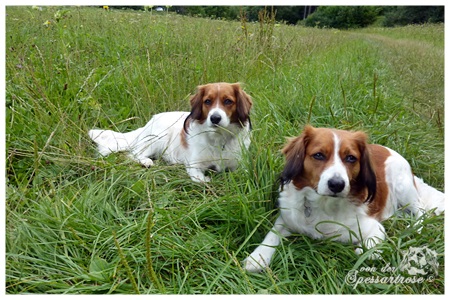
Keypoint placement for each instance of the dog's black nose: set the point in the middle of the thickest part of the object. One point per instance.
(215, 119)
(336, 184)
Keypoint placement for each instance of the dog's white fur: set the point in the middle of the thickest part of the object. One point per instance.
(210, 140)
(322, 212)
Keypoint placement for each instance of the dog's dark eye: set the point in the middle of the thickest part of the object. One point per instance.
(228, 102)
(350, 159)
(207, 102)
(319, 156)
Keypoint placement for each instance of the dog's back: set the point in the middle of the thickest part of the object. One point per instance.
(148, 141)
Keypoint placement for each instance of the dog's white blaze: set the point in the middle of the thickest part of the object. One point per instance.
(225, 120)
(216, 107)
(336, 169)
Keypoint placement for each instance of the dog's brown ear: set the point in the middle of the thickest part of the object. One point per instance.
(196, 107)
(197, 103)
(243, 103)
(366, 178)
(294, 152)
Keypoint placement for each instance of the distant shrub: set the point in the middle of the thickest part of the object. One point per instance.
(343, 17)
(403, 15)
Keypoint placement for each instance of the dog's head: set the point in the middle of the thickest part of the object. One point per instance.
(333, 162)
(220, 104)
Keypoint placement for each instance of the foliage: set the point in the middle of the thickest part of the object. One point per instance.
(343, 17)
(404, 15)
(215, 12)
(327, 16)
(288, 14)
(77, 223)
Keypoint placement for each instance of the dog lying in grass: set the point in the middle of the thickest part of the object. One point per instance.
(209, 137)
(336, 185)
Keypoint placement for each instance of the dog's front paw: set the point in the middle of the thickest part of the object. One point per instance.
(146, 162)
(200, 178)
(376, 255)
(197, 175)
(256, 262)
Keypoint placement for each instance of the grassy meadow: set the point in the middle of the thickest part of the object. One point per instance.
(77, 223)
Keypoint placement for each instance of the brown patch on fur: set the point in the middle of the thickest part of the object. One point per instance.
(294, 152)
(379, 155)
(183, 134)
(243, 105)
(197, 104)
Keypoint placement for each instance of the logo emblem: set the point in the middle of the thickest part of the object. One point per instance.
(419, 261)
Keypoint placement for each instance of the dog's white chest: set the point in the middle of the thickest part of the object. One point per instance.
(318, 216)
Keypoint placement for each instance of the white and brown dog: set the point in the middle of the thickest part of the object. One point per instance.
(336, 185)
(209, 137)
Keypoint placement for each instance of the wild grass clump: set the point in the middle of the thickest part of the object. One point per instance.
(77, 223)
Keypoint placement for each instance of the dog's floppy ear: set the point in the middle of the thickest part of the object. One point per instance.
(196, 107)
(294, 152)
(243, 103)
(366, 177)
(197, 103)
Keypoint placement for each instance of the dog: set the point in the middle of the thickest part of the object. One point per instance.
(209, 137)
(335, 185)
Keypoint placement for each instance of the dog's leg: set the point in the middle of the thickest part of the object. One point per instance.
(372, 233)
(144, 161)
(197, 175)
(108, 141)
(262, 255)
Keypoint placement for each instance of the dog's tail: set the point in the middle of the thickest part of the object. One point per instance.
(430, 197)
(109, 141)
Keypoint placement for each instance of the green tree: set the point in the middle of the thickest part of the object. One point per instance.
(343, 17)
(403, 15)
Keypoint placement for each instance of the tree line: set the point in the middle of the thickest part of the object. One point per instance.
(341, 17)
(345, 17)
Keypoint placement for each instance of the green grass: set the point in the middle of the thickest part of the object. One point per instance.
(79, 223)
